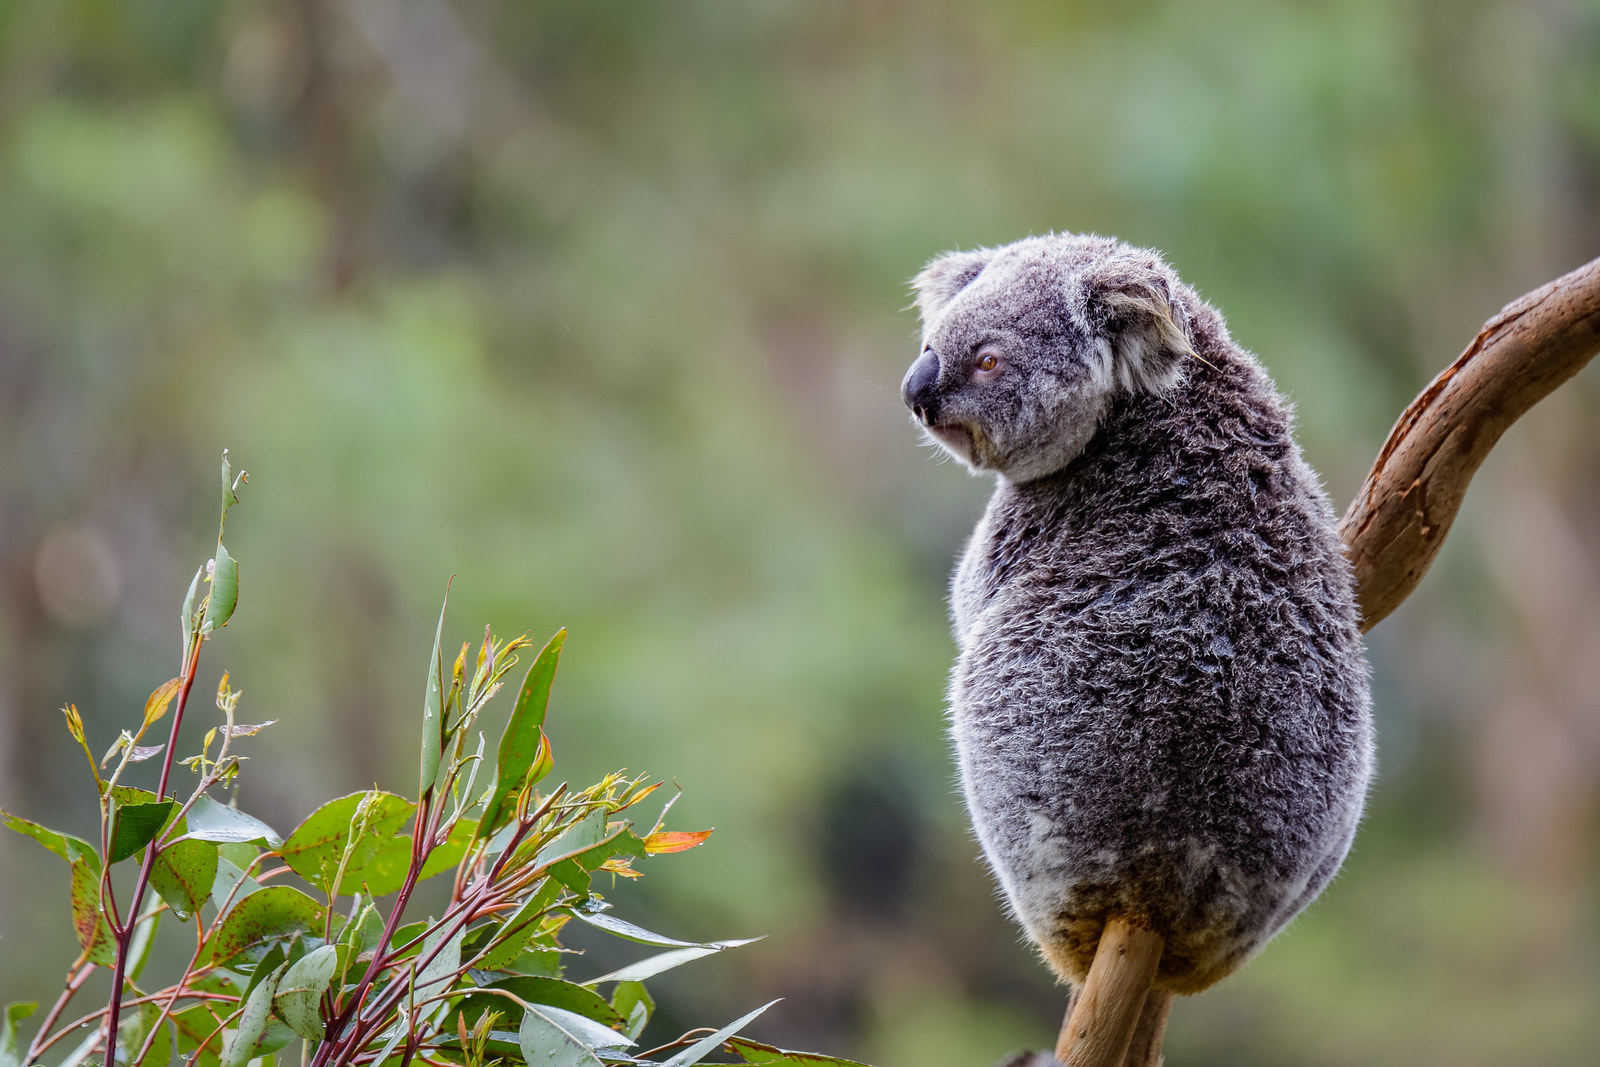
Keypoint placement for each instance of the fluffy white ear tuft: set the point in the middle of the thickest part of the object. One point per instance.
(946, 276)
(1148, 346)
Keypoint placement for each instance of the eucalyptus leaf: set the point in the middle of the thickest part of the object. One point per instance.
(271, 913)
(707, 1045)
(545, 1043)
(252, 1023)
(523, 739)
(314, 848)
(134, 825)
(299, 995)
(224, 591)
(210, 821)
(433, 707)
(666, 961)
(10, 1052)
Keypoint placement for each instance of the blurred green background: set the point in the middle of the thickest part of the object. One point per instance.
(600, 306)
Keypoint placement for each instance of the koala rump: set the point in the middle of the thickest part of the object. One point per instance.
(1160, 705)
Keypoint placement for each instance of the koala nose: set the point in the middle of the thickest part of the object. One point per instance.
(919, 389)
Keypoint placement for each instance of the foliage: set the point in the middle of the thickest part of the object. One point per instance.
(332, 964)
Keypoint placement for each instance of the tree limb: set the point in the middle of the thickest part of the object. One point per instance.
(1397, 522)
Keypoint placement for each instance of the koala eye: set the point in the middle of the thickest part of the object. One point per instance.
(987, 362)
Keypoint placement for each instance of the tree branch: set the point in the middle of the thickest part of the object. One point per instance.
(1399, 519)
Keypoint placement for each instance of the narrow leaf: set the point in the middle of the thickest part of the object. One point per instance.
(662, 841)
(707, 1045)
(666, 961)
(769, 1056)
(155, 705)
(524, 738)
(432, 707)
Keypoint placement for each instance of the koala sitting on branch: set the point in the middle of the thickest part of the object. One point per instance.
(1160, 705)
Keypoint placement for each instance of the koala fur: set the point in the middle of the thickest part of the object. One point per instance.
(1160, 705)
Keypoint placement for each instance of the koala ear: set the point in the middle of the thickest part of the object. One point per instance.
(1148, 348)
(946, 276)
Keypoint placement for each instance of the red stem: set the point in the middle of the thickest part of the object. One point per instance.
(124, 933)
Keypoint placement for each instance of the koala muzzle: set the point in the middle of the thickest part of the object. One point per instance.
(920, 389)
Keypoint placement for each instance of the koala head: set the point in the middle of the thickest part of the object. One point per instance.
(1025, 347)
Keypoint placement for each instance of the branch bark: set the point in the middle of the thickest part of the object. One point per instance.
(1397, 522)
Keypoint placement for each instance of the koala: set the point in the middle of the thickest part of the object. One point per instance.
(1160, 705)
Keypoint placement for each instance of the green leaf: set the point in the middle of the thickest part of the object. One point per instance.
(188, 608)
(134, 825)
(66, 846)
(194, 1025)
(210, 821)
(552, 992)
(545, 1043)
(269, 914)
(518, 930)
(666, 961)
(185, 873)
(769, 1056)
(523, 739)
(432, 707)
(230, 876)
(252, 1023)
(437, 974)
(224, 591)
(622, 928)
(386, 871)
(144, 937)
(314, 849)
(634, 1002)
(10, 1053)
(300, 991)
(88, 921)
(707, 1045)
(137, 1022)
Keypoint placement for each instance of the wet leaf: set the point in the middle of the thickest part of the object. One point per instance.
(249, 729)
(184, 873)
(663, 842)
(140, 753)
(271, 913)
(194, 1025)
(300, 991)
(545, 1043)
(155, 705)
(523, 740)
(210, 821)
(438, 972)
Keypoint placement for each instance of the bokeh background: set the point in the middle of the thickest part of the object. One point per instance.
(600, 306)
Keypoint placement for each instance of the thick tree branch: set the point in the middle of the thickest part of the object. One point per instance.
(1399, 519)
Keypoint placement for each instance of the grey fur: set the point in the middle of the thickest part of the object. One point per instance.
(1160, 705)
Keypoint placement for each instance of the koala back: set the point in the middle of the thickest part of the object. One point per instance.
(1160, 705)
